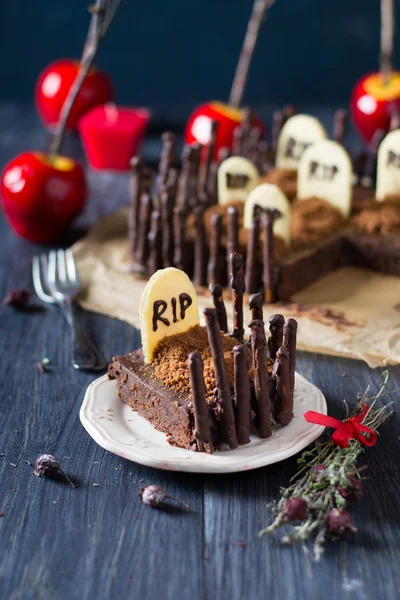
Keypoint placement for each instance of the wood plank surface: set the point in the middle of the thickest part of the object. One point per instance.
(99, 541)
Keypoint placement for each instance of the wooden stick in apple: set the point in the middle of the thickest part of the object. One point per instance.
(253, 29)
(387, 36)
(103, 13)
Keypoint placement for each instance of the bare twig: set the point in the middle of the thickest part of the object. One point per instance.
(387, 36)
(103, 12)
(242, 70)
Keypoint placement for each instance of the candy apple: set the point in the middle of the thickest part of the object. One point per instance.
(53, 86)
(373, 102)
(198, 127)
(42, 195)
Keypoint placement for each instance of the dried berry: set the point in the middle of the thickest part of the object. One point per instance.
(47, 465)
(154, 496)
(319, 472)
(340, 522)
(17, 298)
(353, 490)
(295, 509)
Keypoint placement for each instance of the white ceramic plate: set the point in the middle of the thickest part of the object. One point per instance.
(119, 429)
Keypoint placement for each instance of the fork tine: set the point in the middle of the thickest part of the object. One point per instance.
(71, 269)
(39, 271)
(52, 270)
(61, 270)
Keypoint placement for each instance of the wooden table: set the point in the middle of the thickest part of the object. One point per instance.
(99, 541)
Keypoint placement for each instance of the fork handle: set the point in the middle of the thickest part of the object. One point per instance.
(85, 355)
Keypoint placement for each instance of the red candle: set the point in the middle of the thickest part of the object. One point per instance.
(111, 135)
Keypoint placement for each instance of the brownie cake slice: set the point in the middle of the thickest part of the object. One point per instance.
(202, 386)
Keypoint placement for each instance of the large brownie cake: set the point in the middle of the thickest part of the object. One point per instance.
(184, 218)
(201, 385)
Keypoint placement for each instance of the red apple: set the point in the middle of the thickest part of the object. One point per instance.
(373, 103)
(198, 127)
(41, 196)
(54, 83)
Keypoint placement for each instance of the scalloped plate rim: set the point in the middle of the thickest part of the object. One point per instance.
(245, 458)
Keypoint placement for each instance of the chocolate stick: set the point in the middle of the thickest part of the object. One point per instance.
(179, 237)
(167, 157)
(242, 393)
(213, 270)
(340, 125)
(189, 177)
(155, 243)
(394, 121)
(142, 249)
(232, 234)
(265, 157)
(289, 340)
(261, 378)
(275, 341)
(254, 141)
(223, 154)
(369, 177)
(252, 256)
(284, 390)
(238, 289)
(167, 207)
(268, 219)
(218, 300)
(278, 121)
(256, 302)
(135, 186)
(359, 162)
(205, 174)
(246, 127)
(289, 110)
(237, 145)
(200, 249)
(201, 413)
(224, 394)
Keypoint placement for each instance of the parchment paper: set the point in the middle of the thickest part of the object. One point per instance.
(351, 312)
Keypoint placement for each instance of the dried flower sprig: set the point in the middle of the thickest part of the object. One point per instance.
(313, 507)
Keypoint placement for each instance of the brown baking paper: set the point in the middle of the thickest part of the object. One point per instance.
(351, 312)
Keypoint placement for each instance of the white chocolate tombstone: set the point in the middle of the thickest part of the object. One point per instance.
(268, 195)
(388, 171)
(168, 306)
(297, 134)
(236, 178)
(325, 171)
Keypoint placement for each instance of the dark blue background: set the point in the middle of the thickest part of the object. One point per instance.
(180, 52)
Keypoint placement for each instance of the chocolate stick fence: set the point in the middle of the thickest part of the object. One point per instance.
(238, 289)
(242, 393)
(223, 391)
(261, 378)
(200, 407)
(219, 305)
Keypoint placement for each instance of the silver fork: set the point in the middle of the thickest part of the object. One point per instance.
(56, 281)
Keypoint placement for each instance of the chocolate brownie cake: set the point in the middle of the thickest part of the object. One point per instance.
(201, 385)
(195, 218)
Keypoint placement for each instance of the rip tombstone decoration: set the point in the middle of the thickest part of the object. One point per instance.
(298, 133)
(237, 176)
(168, 306)
(325, 171)
(388, 172)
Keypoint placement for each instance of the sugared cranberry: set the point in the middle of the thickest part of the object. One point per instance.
(319, 472)
(154, 496)
(295, 509)
(340, 522)
(353, 490)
